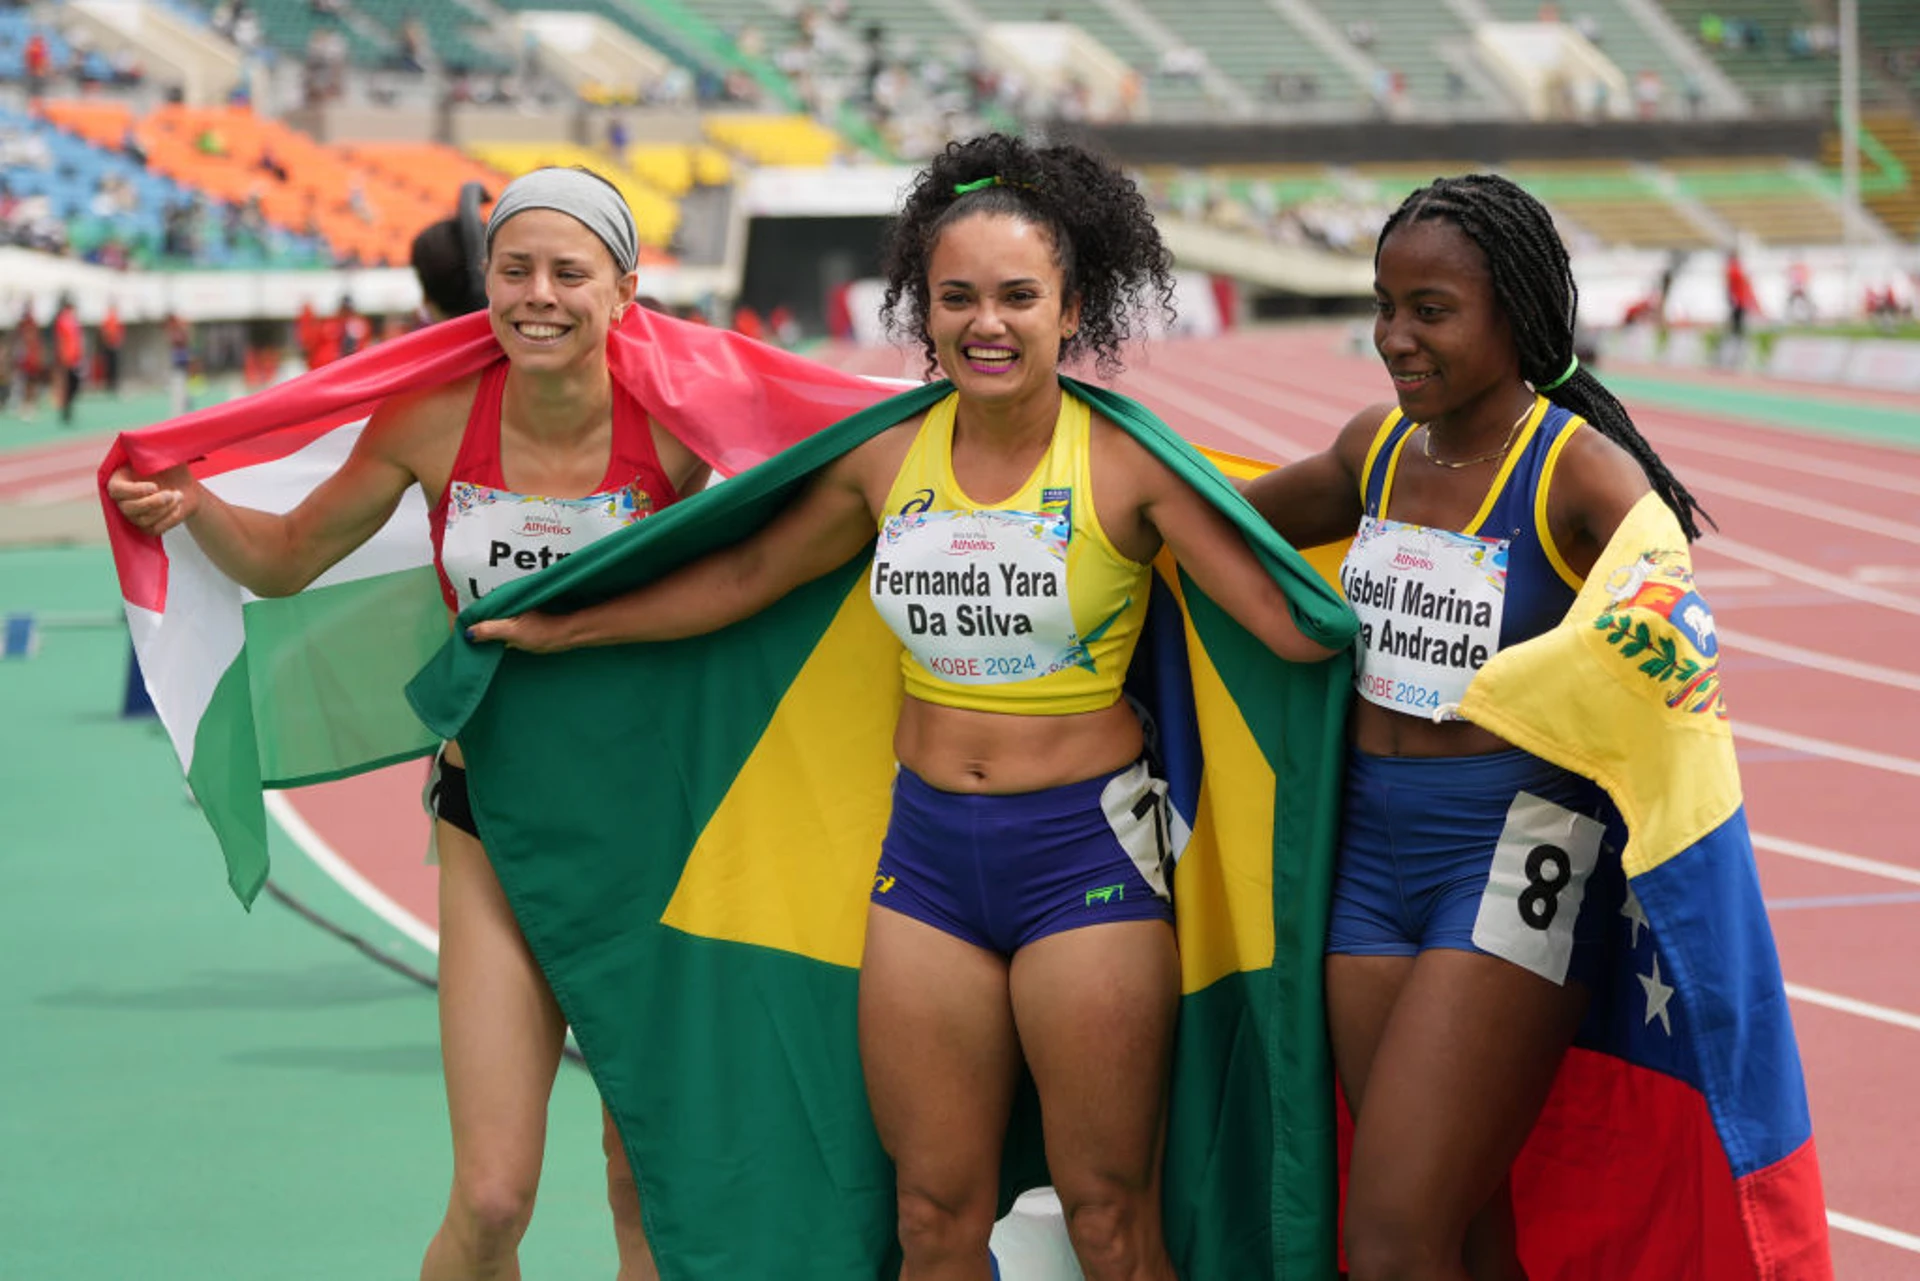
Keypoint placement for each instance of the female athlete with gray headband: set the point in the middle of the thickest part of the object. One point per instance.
(528, 460)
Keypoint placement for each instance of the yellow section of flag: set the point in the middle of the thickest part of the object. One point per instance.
(1626, 690)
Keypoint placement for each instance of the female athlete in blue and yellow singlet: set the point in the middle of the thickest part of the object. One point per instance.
(1474, 880)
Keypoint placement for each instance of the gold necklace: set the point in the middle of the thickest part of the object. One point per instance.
(1513, 433)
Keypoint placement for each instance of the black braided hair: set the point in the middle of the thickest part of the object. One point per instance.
(1104, 241)
(1533, 284)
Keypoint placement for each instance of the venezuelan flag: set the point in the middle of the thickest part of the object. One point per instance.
(1677, 1142)
(688, 831)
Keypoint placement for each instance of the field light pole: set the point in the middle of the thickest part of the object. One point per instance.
(1850, 136)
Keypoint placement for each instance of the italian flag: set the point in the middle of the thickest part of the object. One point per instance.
(258, 693)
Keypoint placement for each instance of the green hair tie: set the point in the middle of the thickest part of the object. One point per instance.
(1573, 367)
(978, 184)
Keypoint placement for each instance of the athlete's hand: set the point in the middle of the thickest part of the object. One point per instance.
(156, 504)
(536, 633)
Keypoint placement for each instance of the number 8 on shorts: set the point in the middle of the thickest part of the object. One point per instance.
(1534, 889)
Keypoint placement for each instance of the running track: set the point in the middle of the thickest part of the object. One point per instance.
(1815, 582)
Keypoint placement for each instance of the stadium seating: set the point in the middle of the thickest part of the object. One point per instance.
(676, 168)
(1612, 203)
(654, 213)
(447, 28)
(17, 25)
(1628, 44)
(1893, 26)
(1768, 69)
(774, 140)
(1408, 38)
(84, 139)
(288, 26)
(1898, 206)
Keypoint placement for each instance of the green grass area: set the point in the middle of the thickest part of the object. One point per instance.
(1827, 415)
(194, 1091)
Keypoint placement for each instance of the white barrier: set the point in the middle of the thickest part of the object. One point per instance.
(1884, 363)
(1876, 364)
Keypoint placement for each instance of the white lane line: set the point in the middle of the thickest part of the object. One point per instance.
(1791, 460)
(1835, 858)
(1786, 567)
(1149, 386)
(1824, 747)
(315, 847)
(72, 491)
(70, 459)
(1873, 1231)
(1811, 508)
(1293, 397)
(1849, 1005)
(1834, 663)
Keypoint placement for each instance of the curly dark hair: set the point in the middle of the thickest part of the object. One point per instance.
(1533, 284)
(1104, 241)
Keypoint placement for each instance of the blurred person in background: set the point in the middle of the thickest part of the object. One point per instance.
(69, 357)
(113, 336)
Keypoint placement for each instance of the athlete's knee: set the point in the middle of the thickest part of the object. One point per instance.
(943, 1226)
(494, 1210)
(1114, 1227)
(1382, 1245)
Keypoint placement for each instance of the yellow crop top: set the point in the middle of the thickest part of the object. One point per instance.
(1021, 607)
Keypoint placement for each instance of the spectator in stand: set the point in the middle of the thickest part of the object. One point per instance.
(70, 357)
(37, 59)
(113, 336)
(1648, 91)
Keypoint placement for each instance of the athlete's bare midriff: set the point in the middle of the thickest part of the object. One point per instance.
(1381, 731)
(960, 750)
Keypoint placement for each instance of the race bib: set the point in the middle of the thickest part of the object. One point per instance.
(1430, 602)
(495, 536)
(1538, 880)
(978, 597)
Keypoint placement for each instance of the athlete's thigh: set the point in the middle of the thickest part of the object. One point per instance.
(1096, 1009)
(500, 1028)
(1461, 1073)
(1361, 991)
(939, 1052)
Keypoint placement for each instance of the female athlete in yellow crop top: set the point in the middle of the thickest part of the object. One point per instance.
(1015, 531)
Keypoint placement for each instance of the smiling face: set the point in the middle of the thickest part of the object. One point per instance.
(1437, 324)
(997, 307)
(553, 290)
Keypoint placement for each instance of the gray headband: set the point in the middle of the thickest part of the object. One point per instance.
(580, 195)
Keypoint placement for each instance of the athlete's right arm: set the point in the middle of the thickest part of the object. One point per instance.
(278, 554)
(825, 527)
(1317, 500)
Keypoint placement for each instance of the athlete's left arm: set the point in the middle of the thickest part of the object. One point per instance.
(1215, 554)
(1595, 484)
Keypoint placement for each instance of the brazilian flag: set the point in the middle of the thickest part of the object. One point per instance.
(688, 831)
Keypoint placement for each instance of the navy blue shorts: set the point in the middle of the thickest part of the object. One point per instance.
(1002, 871)
(1502, 854)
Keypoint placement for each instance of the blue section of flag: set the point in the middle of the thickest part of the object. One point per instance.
(1694, 991)
(1705, 909)
(1161, 683)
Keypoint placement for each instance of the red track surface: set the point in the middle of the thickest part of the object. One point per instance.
(50, 473)
(1790, 508)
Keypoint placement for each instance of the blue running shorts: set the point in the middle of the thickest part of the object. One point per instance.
(1002, 871)
(1502, 854)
